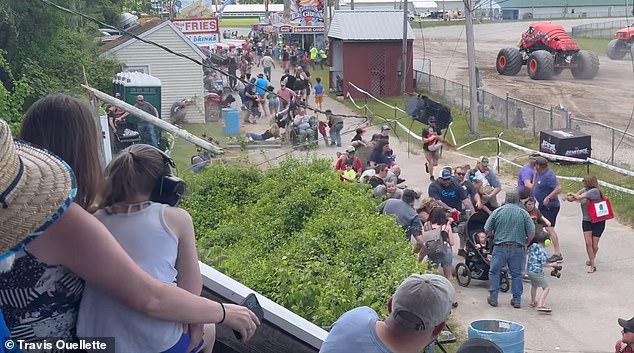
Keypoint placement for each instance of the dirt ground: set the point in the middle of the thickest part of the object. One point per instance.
(608, 98)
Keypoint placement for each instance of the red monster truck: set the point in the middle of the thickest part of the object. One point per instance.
(546, 49)
(621, 44)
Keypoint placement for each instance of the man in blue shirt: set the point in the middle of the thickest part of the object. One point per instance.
(546, 192)
(448, 193)
(526, 176)
(418, 311)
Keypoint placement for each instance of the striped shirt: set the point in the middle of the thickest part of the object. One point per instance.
(511, 224)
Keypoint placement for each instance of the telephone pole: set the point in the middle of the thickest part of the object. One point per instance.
(471, 58)
(404, 53)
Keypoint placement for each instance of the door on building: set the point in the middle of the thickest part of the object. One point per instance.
(377, 72)
(510, 14)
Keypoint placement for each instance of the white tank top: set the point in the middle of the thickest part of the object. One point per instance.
(148, 240)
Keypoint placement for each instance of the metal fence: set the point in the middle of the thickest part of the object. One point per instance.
(603, 30)
(610, 144)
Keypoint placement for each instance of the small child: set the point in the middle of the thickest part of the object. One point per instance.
(540, 221)
(349, 174)
(537, 260)
(319, 93)
(481, 246)
(321, 126)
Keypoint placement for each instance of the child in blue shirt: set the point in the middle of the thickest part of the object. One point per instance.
(537, 260)
(319, 93)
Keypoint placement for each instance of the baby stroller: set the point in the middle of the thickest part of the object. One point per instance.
(476, 266)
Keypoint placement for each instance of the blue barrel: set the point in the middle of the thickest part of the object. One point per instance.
(506, 334)
(232, 121)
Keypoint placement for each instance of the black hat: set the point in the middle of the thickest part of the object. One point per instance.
(479, 345)
(627, 324)
(409, 195)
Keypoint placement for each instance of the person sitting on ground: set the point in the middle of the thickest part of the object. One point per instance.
(393, 192)
(349, 174)
(158, 238)
(626, 343)
(417, 314)
(394, 174)
(349, 156)
(479, 345)
(380, 172)
(272, 132)
(537, 260)
(380, 154)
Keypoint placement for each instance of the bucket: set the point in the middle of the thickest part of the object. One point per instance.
(232, 121)
(506, 334)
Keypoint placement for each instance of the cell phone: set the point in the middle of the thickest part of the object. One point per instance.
(251, 302)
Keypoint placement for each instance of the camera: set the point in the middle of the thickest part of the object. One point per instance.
(556, 272)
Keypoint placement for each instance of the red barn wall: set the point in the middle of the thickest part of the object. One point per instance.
(373, 67)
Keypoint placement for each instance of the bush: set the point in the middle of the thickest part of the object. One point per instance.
(299, 236)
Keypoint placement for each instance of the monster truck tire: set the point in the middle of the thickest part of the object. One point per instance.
(541, 65)
(509, 62)
(587, 65)
(615, 50)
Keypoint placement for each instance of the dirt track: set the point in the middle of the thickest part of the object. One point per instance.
(608, 98)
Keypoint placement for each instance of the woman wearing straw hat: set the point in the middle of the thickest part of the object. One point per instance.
(49, 239)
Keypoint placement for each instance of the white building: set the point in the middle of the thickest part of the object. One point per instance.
(544, 9)
(180, 78)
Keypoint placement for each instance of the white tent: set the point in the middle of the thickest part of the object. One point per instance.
(425, 5)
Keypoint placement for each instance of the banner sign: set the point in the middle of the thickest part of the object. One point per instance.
(204, 32)
(307, 12)
(194, 8)
(306, 29)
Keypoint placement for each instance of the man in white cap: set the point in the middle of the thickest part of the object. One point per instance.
(418, 311)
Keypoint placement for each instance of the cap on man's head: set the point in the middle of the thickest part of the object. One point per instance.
(386, 127)
(422, 302)
(446, 174)
(260, 75)
(139, 97)
(541, 161)
(512, 197)
(627, 324)
(484, 161)
(479, 345)
(351, 149)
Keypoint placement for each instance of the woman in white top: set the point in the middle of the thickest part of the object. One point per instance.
(160, 239)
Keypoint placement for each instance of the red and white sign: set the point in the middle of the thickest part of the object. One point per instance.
(197, 25)
(285, 29)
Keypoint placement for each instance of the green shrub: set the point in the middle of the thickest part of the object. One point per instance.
(299, 236)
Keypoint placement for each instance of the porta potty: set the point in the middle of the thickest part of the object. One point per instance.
(232, 121)
(127, 86)
(509, 336)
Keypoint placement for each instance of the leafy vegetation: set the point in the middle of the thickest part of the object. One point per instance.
(299, 236)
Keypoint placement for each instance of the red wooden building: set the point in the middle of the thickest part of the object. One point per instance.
(366, 50)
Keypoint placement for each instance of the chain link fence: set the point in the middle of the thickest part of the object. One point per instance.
(610, 144)
(604, 30)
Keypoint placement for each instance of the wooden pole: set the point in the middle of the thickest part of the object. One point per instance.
(184, 134)
(471, 58)
(404, 50)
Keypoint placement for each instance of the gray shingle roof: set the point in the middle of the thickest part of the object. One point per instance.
(369, 26)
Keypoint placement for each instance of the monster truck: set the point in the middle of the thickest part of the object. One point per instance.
(621, 44)
(546, 49)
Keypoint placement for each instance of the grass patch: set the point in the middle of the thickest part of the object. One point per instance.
(437, 23)
(184, 150)
(623, 203)
(596, 45)
(239, 22)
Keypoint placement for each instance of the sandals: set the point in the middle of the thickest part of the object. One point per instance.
(587, 262)
(592, 269)
(544, 309)
(533, 305)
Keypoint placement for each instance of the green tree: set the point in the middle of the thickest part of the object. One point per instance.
(12, 98)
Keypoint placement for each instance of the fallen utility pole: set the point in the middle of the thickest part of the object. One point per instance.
(471, 58)
(184, 134)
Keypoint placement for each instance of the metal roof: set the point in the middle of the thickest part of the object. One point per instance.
(558, 3)
(369, 26)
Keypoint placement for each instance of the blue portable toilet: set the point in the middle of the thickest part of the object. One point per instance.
(232, 121)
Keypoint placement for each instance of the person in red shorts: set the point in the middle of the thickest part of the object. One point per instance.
(626, 344)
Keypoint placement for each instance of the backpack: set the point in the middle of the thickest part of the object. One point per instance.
(433, 244)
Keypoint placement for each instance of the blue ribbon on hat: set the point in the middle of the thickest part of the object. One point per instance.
(14, 183)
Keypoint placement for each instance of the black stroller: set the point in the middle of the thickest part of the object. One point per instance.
(476, 265)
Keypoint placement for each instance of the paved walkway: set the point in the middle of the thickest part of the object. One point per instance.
(585, 306)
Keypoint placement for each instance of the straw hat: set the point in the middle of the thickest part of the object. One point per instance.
(36, 187)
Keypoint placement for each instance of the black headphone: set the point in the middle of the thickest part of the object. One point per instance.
(169, 189)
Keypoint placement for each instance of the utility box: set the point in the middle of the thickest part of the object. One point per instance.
(566, 142)
(131, 84)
